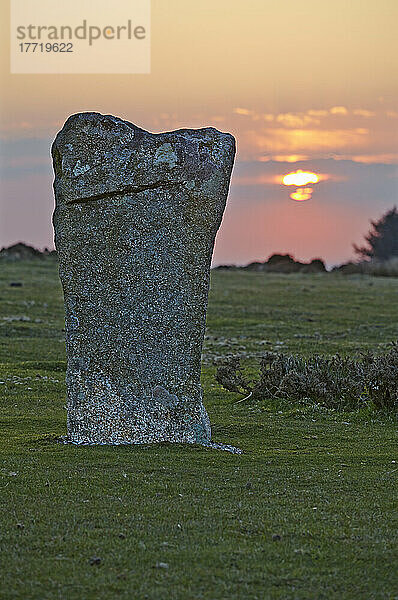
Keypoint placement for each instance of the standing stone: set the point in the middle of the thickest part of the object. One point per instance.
(135, 221)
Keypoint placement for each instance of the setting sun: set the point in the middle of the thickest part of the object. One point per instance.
(300, 178)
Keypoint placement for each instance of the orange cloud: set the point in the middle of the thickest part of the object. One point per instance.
(289, 158)
(294, 120)
(338, 110)
(361, 112)
(386, 159)
(243, 111)
(317, 113)
(278, 140)
(362, 135)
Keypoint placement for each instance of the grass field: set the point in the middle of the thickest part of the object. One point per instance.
(308, 511)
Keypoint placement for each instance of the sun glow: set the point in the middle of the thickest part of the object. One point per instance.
(300, 178)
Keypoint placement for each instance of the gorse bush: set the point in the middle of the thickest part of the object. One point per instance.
(336, 382)
(385, 268)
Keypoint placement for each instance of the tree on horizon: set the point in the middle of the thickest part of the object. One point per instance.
(382, 238)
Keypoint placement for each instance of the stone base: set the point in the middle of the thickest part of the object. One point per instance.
(118, 420)
(212, 445)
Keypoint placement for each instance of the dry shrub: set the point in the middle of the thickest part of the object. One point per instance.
(337, 382)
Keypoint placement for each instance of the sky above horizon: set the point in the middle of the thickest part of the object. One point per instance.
(302, 85)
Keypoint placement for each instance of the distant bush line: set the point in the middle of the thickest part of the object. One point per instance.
(21, 251)
(277, 263)
(281, 263)
(285, 263)
(341, 383)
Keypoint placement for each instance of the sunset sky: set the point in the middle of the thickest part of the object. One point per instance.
(303, 84)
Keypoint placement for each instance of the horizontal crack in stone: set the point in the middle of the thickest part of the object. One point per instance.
(131, 189)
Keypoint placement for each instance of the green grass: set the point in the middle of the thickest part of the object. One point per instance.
(308, 511)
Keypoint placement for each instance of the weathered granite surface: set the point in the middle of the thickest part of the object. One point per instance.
(135, 220)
